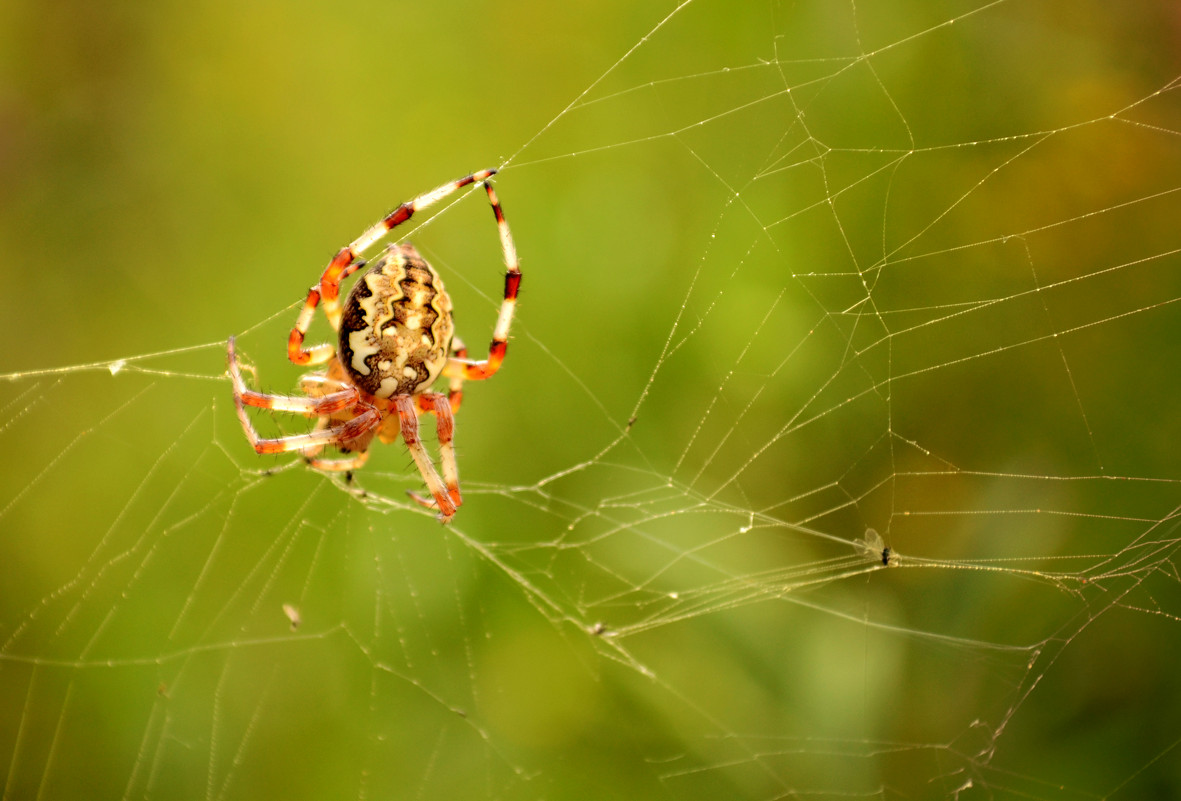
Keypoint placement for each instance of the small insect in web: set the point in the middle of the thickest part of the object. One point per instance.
(874, 547)
(396, 336)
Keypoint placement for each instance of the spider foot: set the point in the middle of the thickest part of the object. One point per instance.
(443, 516)
(236, 365)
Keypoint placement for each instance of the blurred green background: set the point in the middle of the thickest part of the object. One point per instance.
(893, 265)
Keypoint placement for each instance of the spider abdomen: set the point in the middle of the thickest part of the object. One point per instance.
(396, 326)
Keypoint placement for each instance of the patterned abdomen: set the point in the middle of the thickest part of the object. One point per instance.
(396, 327)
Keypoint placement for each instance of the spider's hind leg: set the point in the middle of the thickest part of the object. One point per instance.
(443, 407)
(444, 500)
(341, 465)
(356, 451)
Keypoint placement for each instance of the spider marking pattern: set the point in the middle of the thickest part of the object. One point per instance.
(396, 337)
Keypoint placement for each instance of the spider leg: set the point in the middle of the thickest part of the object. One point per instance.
(479, 370)
(320, 385)
(362, 423)
(339, 465)
(323, 403)
(408, 418)
(455, 388)
(348, 260)
(405, 211)
(343, 264)
(441, 407)
(366, 420)
(335, 464)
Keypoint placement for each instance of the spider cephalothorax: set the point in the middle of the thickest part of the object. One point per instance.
(396, 338)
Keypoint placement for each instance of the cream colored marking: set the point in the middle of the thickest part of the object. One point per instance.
(409, 372)
(362, 350)
(305, 318)
(435, 366)
(332, 311)
(500, 333)
(361, 341)
(366, 240)
(506, 242)
(320, 353)
(432, 196)
(387, 387)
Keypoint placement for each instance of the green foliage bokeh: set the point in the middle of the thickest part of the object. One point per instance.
(709, 210)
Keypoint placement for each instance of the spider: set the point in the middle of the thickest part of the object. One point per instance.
(396, 337)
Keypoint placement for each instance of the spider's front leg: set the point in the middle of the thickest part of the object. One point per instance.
(458, 367)
(344, 264)
(348, 260)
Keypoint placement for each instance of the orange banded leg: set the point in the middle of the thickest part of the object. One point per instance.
(324, 403)
(364, 422)
(313, 441)
(440, 406)
(408, 419)
(341, 465)
(455, 387)
(335, 464)
(344, 264)
(479, 370)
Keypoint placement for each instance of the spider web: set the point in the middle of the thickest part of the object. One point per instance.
(834, 454)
